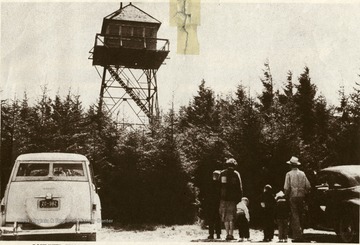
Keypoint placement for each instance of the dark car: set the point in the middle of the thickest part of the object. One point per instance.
(335, 200)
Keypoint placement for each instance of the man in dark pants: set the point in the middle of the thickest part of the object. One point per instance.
(212, 202)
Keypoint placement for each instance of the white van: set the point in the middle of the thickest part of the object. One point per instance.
(50, 194)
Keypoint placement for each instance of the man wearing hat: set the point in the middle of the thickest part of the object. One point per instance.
(296, 186)
(230, 195)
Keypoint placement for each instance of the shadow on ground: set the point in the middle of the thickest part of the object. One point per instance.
(322, 238)
(309, 237)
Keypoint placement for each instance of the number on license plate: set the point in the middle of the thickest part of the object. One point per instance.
(49, 204)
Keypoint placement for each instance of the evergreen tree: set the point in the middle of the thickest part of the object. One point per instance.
(354, 127)
(201, 111)
(267, 97)
(25, 123)
(304, 100)
(44, 129)
(9, 111)
(64, 113)
(288, 90)
(322, 118)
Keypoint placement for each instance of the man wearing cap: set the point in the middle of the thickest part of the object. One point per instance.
(230, 195)
(296, 186)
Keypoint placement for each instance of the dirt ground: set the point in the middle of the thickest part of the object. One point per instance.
(191, 233)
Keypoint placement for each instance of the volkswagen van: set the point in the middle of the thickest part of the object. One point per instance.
(50, 194)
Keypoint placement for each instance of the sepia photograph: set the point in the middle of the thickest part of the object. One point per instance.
(190, 121)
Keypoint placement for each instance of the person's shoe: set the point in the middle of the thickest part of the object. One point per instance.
(241, 240)
(211, 237)
(229, 238)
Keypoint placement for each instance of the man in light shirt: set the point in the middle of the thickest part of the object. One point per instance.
(296, 187)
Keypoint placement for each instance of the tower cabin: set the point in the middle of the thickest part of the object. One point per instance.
(129, 38)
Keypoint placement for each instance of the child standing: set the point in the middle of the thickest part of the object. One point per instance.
(243, 219)
(268, 204)
(282, 212)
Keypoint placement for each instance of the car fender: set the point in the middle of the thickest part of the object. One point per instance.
(97, 217)
(353, 201)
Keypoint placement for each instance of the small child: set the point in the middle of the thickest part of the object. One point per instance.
(282, 213)
(243, 219)
(268, 205)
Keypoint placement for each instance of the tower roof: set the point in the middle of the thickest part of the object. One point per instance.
(132, 13)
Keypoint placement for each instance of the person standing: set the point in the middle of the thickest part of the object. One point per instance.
(296, 187)
(268, 205)
(212, 202)
(243, 219)
(282, 212)
(230, 195)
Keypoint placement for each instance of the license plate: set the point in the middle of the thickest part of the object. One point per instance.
(49, 204)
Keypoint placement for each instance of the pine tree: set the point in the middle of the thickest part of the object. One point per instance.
(25, 127)
(288, 90)
(267, 97)
(354, 108)
(304, 100)
(201, 111)
(44, 128)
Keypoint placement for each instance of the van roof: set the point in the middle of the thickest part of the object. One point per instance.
(52, 156)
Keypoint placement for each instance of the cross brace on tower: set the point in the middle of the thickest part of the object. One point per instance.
(136, 88)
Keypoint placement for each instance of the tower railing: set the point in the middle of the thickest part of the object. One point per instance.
(116, 41)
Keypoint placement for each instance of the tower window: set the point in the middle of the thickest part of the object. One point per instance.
(138, 31)
(126, 31)
(149, 32)
(113, 29)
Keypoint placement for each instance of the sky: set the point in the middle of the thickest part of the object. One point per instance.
(48, 44)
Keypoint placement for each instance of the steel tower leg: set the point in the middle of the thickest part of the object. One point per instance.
(103, 85)
(136, 88)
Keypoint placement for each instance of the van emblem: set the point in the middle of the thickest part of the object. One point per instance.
(48, 196)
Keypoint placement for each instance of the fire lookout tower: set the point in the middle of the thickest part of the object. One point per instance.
(130, 54)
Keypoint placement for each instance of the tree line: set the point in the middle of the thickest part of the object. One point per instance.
(162, 175)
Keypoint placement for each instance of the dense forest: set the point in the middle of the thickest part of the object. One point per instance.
(161, 175)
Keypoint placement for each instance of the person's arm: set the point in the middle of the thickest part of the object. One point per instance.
(287, 185)
(238, 208)
(307, 184)
(262, 200)
(240, 184)
(247, 214)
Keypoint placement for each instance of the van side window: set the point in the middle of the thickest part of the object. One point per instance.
(33, 169)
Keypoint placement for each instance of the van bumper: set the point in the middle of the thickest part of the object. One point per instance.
(76, 232)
